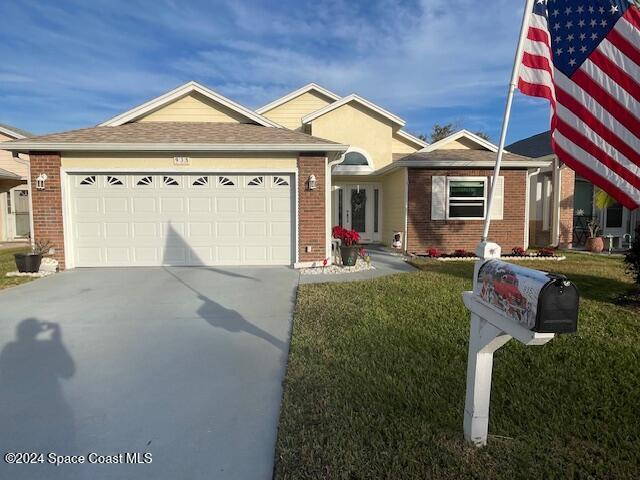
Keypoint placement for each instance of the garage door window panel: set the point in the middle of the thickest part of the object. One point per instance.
(88, 181)
(114, 181)
(227, 181)
(255, 182)
(280, 182)
(170, 181)
(200, 181)
(146, 181)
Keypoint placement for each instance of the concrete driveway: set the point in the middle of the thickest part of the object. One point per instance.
(183, 363)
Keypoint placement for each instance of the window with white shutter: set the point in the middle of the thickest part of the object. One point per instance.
(438, 197)
(497, 209)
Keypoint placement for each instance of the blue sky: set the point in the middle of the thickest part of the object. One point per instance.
(73, 64)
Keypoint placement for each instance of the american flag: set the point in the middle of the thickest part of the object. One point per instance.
(584, 57)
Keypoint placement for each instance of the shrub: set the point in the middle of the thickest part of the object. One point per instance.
(546, 252)
(462, 253)
(519, 252)
(434, 252)
(632, 258)
(348, 237)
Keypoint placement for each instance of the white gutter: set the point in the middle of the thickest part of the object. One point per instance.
(173, 147)
(327, 205)
(533, 163)
(557, 181)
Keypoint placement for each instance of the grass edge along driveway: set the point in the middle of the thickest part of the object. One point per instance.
(376, 378)
(8, 264)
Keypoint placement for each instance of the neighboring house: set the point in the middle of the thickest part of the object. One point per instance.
(193, 178)
(15, 223)
(616, 221)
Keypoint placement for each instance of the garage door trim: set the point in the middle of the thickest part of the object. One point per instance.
(67, 175)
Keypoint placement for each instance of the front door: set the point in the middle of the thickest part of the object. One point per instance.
(21, 211)
(358, 208)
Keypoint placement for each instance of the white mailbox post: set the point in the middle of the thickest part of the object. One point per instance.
(495, 321)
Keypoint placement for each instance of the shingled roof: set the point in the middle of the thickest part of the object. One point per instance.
(462, 158)
(167, 135)
(463, 155)
(535, 146)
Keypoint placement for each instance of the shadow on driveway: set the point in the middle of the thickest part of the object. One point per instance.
(34, 414)
(230, 320)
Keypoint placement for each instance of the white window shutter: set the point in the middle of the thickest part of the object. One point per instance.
(438, 197)
(497, 209)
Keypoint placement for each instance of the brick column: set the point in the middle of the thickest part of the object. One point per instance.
(312, 229)
(47, 203)
(567, 186)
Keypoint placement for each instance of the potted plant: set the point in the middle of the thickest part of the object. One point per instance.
(349, 244)
(595, 242)
(30, 262)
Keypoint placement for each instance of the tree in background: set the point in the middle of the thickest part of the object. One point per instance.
(483, 135)
(438, 132)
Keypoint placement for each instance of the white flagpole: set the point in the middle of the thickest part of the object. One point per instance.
(524, 30)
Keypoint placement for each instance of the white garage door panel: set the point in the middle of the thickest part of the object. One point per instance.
(171, 219)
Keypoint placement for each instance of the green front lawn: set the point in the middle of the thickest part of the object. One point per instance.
(376, 381)
(8, 264)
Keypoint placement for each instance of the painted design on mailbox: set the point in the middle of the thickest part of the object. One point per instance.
(512, 289)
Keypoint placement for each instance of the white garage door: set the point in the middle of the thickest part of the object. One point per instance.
(172, 219)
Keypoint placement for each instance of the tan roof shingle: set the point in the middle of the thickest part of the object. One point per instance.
(176, 133)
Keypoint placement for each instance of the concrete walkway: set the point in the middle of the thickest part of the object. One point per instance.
(385, 261)
(183, 363)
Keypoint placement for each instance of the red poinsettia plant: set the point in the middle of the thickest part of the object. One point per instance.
(348, 237)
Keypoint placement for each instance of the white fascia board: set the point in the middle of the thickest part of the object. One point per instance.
(11, 133)
(412, 138)
(353, 98)
(455, 136)
(296, 93)
(176, 147)
(181, 91)
(533, 163)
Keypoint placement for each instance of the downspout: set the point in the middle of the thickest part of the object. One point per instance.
(527, 206)
(327, 203)
(555, 226)
(32, 232)
(406, 210)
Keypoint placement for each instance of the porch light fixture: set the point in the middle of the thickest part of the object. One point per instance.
(40, 181)
(312, 182)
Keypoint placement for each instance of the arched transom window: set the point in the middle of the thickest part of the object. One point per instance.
(356, 160)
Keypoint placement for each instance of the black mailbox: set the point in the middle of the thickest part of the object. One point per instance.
(542, 302)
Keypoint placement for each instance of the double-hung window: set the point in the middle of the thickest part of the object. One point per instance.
(466, 197)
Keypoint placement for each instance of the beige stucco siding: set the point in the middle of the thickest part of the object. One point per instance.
(354, 125)
(462, 144)
(7, 162)
(194, 108)
(393, 204)
(155, 161)
(402, 145)
(290, 114)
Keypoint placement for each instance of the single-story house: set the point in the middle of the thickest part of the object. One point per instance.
(15, 218)
(194, 178)
(616, 221)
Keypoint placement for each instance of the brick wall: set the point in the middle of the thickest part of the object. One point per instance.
(47, 203)
(312, 229)
(567, 186)
(448, 235)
